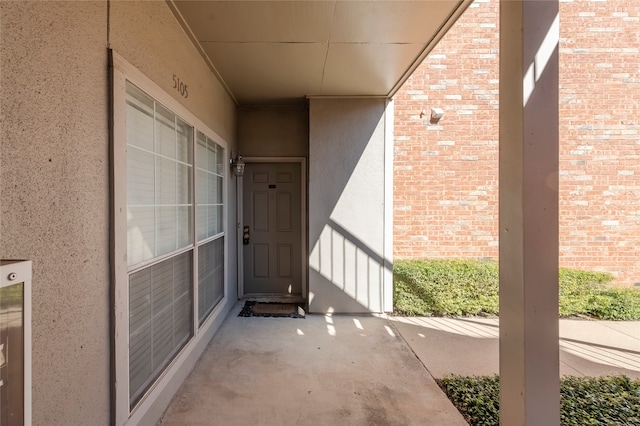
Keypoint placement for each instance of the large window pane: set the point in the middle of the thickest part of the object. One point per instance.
(162, 210)
(210, 277)
(159, 319)
(209, 184)
(159, 179)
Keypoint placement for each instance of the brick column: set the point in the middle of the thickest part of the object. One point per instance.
(529, 351)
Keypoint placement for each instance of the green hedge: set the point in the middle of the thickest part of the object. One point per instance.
(469, 287)
(584, 401)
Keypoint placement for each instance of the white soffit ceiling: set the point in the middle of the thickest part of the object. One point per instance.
(280, 52)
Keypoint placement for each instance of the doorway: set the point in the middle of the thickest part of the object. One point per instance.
(272, 213)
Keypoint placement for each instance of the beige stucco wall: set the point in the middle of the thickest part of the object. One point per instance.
(269, 132)
(54, 175)
(147, 35)
(347, 205)
(54, 196)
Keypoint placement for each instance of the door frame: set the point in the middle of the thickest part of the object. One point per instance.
(302, 161)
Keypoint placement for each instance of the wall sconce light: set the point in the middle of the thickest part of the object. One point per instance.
(237, 165)
(436, 115)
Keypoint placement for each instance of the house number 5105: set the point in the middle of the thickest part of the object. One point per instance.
(180, 87)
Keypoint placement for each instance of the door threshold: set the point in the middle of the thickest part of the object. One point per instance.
(277, 298)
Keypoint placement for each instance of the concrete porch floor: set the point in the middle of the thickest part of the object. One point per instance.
(320, 370)
(366, 370)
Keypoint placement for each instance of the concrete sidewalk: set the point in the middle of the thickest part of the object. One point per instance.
(469, 346)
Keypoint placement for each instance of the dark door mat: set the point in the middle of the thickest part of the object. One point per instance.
(272, 309)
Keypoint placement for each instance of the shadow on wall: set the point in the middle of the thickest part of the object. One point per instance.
(346, 205)
(345, 266)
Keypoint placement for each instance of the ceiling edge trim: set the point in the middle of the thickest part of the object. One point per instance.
(347, 97)
(198, 46)
(442, 31)
(275, 107)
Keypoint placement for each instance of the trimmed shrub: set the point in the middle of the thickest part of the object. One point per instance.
(477, 398)
(613, 400)
(578, 288)
(446, 287)
(470, 287)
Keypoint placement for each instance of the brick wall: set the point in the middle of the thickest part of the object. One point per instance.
(446, 174)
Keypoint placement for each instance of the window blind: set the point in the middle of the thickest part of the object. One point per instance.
(159, 319)
(161, 214)
(210, 277)
(159, 179)
(210, 160)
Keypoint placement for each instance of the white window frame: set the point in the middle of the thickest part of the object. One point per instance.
(178, 368)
